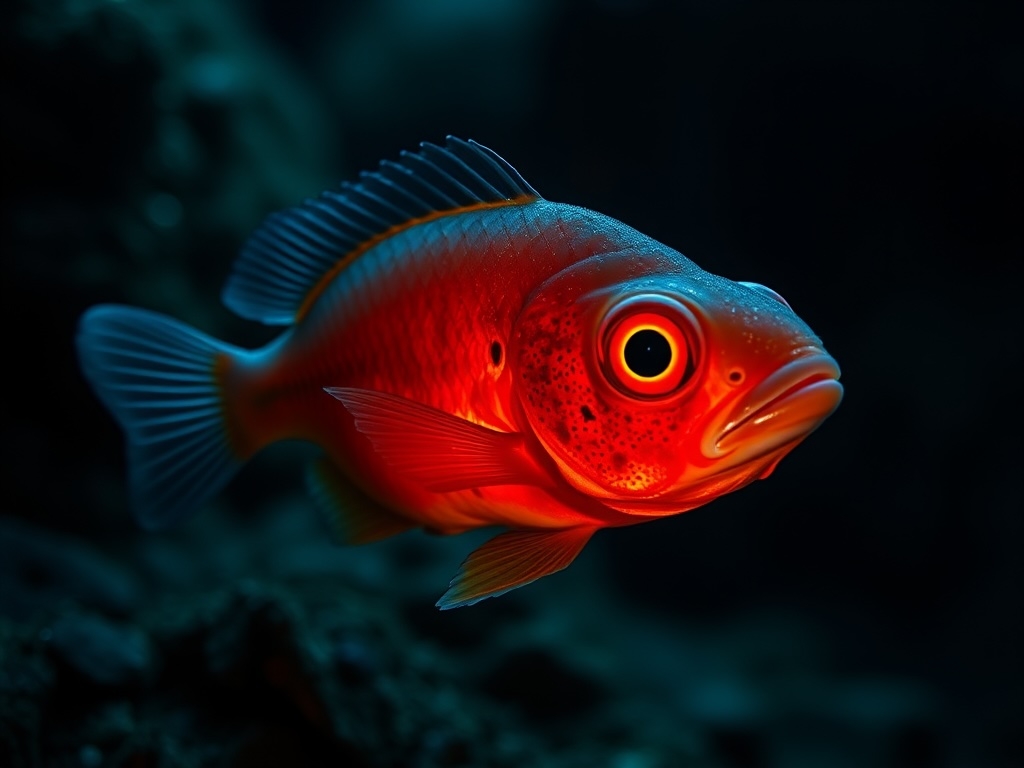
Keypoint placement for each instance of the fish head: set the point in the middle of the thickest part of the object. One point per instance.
(656, 387)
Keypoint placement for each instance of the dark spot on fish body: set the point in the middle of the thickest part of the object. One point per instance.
(619, 460)
(588, 415)
(562, 432)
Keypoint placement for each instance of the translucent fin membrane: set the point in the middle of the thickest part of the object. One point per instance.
(512, 560)
(292, 251)
(157, 377)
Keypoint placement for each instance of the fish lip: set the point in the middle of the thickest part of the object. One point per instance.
(785, 407)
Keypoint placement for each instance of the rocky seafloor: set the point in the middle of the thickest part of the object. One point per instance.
(258, 642)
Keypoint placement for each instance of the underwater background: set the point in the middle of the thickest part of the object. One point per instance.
(862, 607)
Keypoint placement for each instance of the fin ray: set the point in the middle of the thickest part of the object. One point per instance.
(439, 158)
(440, 451)
(369, 181)
(513, 559)
(286, 260)
(172, 413)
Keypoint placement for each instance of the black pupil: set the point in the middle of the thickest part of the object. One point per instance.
(647, 353)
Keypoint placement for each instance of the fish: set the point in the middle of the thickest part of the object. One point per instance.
(466, 354)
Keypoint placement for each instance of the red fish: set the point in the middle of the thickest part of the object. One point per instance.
(467, 354)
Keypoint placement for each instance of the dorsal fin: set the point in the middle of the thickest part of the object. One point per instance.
(289, 258)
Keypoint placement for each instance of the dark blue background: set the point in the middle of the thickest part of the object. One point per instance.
(863, 159)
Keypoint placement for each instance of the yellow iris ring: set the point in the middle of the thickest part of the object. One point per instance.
(623, 340)
(651, 386)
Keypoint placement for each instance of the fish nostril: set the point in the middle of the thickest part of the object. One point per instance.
(736, 376)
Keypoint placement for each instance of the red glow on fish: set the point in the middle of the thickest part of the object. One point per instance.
(467, 354)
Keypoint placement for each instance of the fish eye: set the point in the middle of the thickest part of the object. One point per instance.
(648, 353)
(650, 347)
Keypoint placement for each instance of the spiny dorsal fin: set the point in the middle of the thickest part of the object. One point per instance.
(290, 256)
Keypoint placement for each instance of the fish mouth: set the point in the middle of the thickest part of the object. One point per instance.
(784, 408)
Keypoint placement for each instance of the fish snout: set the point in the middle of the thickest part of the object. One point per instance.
(782, 409)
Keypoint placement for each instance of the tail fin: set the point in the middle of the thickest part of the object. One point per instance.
(160, 380)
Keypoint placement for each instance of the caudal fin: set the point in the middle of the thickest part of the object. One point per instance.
(160, 380)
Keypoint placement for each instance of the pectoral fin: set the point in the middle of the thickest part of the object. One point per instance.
(439, 451)
(511, 560)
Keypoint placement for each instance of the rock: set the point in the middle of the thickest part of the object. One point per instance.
(26, 684)
(104, 652)
(40, 569)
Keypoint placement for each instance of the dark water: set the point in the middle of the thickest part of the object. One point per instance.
(863, 607)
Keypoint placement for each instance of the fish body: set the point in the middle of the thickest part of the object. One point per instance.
(429, 319)
(467, 354)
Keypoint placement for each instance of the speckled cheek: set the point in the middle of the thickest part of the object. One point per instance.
(623, 449)
(552, 373)
(632, 452)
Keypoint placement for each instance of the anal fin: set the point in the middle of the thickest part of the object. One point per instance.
(511, 560)
(353, 516)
